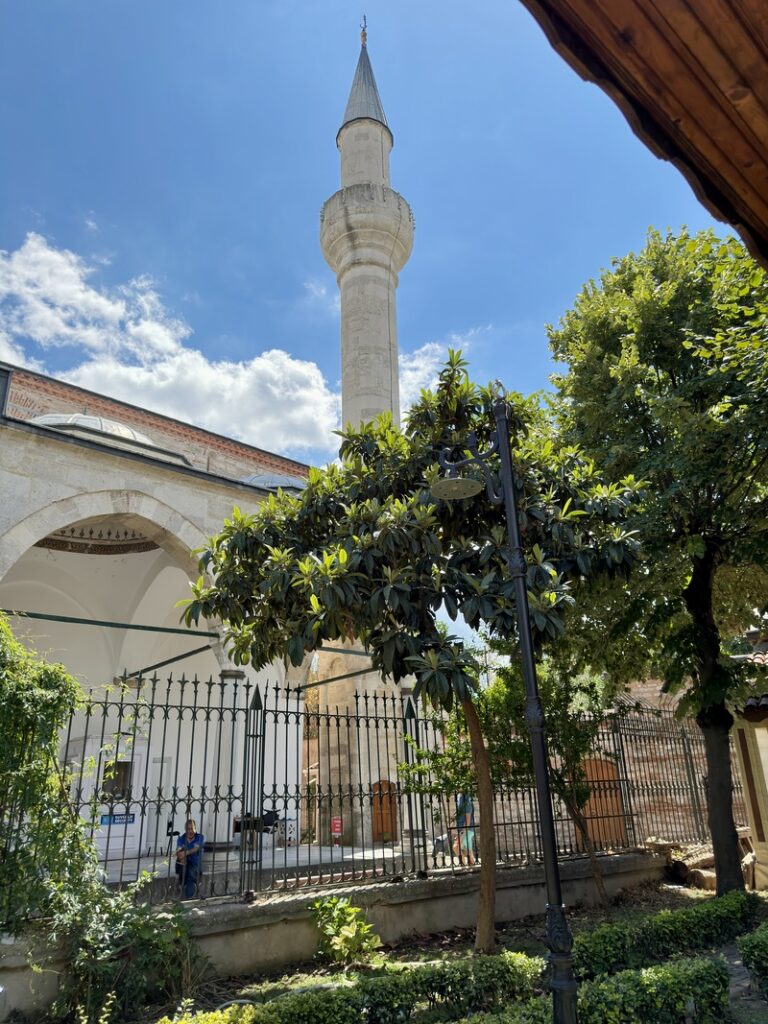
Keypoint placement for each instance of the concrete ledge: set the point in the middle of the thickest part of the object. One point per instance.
(277, 929)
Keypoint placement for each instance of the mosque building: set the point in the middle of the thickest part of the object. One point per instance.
(104, 503)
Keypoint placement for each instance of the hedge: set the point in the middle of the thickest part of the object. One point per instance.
(614, 947)
(754, 953)
(686, 990)
(469, 986)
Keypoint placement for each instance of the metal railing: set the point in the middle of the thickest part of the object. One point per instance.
(289, 794)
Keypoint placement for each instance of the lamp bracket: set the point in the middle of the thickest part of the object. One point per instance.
(475, 458)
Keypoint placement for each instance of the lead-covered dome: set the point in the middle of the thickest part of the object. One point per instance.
(73, 421)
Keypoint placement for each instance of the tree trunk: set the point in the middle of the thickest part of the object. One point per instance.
(581, 824)
(485, 935)
(715, 723)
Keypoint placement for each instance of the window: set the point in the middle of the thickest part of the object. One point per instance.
(116, 784)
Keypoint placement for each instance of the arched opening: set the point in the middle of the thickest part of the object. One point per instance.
(99, 594)
(384, 812)
(89, 585)
(604, 809)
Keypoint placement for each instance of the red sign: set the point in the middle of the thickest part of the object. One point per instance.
(336, 827)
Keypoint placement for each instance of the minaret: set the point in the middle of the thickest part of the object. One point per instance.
(366, 232)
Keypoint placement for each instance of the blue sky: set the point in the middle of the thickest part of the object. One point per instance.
(164, 165)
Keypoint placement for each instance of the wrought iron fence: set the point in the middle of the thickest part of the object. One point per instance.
(291, 794)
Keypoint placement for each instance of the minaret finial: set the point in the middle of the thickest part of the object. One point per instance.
(364, 30)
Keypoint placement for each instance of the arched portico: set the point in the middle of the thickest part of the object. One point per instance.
(164, 525)
(117, 556)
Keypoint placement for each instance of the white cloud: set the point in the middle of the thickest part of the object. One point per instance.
(418, 370)
(135, 350)
(273, 401)
(90, 224)
(45, 297)
(10, 352)
(130, 347)
(318, 296)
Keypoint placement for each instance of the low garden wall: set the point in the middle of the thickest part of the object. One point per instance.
(240, 938)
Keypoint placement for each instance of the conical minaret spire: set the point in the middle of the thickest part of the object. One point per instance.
(366, 233)
(364, 99)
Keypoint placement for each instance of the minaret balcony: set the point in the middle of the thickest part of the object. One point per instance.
(369, 223)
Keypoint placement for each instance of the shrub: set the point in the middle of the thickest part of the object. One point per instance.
(119, 948)
(457, 989)
(42, 842)
(613, 947)
(665, 994)
(754, 953)
(345, 938)
(687, 990)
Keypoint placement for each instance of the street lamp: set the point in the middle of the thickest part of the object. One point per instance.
(453, 487)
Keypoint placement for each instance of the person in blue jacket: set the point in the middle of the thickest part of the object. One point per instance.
(189, 852)
(464, 844)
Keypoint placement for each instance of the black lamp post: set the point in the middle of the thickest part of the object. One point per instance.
(453, 487)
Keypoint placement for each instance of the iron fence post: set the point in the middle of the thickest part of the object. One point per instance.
(624, 788)
(691, 775)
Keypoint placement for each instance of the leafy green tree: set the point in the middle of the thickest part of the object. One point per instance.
(575, 703)
(41, 843)
(666, 378)
(366, 552)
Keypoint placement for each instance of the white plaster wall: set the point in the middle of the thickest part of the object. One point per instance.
(47, 484)
(137, 587)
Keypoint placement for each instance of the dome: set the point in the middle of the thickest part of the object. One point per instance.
(97, 424)
(276, 481)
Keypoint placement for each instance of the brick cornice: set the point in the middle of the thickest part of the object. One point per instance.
(33, 394)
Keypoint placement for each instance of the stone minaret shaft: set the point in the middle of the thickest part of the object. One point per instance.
(366, 233)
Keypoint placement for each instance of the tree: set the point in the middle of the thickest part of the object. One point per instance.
(119, 951)
(366, 553)
(42, 844)
(667, 379)
(574, 703)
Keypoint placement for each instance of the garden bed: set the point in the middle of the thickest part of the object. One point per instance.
(454, 949)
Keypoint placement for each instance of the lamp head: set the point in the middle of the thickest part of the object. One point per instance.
(455, 487)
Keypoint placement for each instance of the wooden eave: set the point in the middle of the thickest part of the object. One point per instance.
(692, 80)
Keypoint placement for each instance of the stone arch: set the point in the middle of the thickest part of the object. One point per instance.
(164, 525)
(384, 811)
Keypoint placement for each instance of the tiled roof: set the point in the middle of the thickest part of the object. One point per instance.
(32, 395)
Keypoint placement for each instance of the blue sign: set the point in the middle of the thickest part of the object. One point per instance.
(118, 819)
